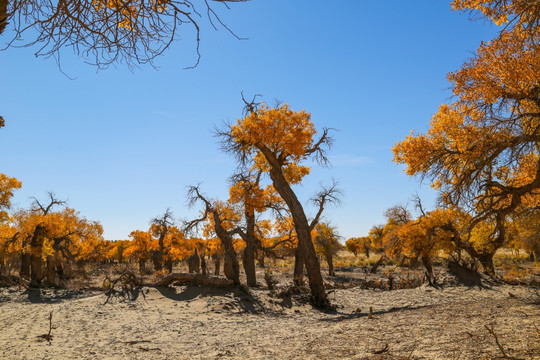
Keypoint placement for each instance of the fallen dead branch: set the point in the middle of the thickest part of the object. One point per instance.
(182, 279)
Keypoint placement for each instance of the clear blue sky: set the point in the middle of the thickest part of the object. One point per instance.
(123, 146)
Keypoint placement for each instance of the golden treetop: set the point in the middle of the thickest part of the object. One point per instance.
(524, 12)
(285, 132)
(7, 186)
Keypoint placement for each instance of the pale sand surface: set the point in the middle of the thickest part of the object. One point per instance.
(204, 323)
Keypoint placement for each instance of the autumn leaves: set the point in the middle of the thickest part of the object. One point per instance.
(482, 151)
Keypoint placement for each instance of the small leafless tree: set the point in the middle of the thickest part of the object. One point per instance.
(232, 269)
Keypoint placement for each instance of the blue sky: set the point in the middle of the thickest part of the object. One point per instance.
(122, 146)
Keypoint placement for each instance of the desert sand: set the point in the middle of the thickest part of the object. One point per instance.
(193, 322)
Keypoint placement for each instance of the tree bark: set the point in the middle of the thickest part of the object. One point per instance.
(36, 249)
(25, 265)
(142, 265)
(231, 268)
(157, 260)
(249, 251)
(204, 267)
(377, 264)
(51, 271)
(217, 264)
(194, 263)
(429, 268)
(330, 261)
(298, 274)
(486, 259)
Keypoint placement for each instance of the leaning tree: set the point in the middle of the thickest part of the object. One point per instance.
(277, 141)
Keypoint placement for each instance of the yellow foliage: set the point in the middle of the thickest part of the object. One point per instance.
(7, 186)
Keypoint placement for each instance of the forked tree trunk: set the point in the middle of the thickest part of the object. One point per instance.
(303, 233)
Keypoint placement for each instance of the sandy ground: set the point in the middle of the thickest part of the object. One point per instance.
(191, 322)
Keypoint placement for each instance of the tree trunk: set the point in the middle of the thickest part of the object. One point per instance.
(51, 271)
(486, 259)
(59, 267)
(231, 268)
(204, 267)
(168, 264)
(142, 265)
(303, 233)
(377, 264)
(194, 264)
(25, 265)
(217, 264)
(429, 269)
(330, 261)
(249, 251)
(157, 260)
(298, 274)
(261, 260)
(36, 249)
